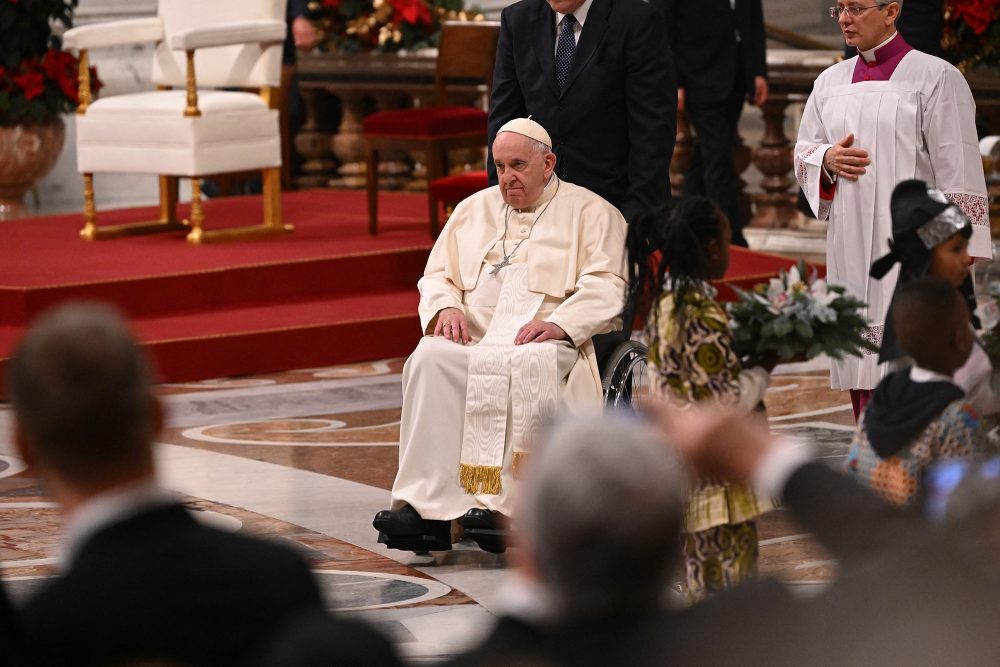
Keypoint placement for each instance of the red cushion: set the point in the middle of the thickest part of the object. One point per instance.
(458, 187)
(432, 122)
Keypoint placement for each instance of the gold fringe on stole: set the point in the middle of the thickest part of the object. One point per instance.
(480, 479)
(517, 463)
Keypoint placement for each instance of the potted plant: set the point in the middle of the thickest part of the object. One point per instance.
(38, 83)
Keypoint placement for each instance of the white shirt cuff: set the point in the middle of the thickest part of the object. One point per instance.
(778, 465)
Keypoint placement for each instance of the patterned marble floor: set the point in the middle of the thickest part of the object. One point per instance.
(307, 457)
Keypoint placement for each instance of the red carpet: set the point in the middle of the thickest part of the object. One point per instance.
(325, 294)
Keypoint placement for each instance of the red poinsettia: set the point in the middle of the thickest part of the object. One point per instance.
(32, 83)
(978, 14)
(972, 33)
(62, 68)
(38, 81)
(414, 12)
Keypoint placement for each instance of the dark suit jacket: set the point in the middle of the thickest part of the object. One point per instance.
(703, 36)
(908, 593)
(613, 126)
(161, 586)
(10, 632)
(633, 641)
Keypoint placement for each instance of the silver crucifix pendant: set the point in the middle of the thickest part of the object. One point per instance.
(497, 267)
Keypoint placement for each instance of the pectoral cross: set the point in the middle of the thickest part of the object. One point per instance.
(500, 265)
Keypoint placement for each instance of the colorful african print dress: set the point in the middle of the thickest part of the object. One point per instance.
(691, 359)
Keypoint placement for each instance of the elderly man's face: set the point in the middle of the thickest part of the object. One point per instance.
(522, 170)
(565, 6)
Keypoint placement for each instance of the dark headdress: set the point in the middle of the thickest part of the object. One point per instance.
(922, 219)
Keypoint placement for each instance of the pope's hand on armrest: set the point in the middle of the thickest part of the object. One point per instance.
(451, 324)
(539, 331)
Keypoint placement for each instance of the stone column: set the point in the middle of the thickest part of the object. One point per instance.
(314, 138)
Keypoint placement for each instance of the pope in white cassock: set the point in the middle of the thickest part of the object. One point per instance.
(524, 274)
(889, 114)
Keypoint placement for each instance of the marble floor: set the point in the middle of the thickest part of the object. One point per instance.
(308, 456)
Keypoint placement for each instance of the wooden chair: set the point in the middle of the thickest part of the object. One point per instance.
(465, 55)
(450, 190)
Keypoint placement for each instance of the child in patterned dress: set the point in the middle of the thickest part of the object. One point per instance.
(691, 359)
(918, 415)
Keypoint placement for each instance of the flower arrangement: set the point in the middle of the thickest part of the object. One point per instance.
(798, 316)
(972, 33)
(385, 25)
(38, 80)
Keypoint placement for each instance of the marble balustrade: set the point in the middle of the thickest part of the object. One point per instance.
(340, 89)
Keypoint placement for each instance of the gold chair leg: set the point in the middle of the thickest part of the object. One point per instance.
(196, 235)
(273, 223)
(167, 221)
(89, 231)
(273, 216)
(168, 200)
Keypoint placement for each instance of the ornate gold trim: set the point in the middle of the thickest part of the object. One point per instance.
(197, 213)
(192, 87)
(89, 231)
(83, 78)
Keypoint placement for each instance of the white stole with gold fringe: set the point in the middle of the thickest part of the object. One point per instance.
(501, 374)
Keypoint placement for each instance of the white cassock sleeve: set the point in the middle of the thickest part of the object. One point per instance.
(810, 148)
(953, 147)
(437, 291)
(596, 303)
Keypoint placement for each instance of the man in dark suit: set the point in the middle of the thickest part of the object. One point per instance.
(719, 48)
(605, 92)
(141, 579)
(908, 592)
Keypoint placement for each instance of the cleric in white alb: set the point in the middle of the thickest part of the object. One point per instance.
(889, 114)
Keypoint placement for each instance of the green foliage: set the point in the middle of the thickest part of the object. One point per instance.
(26, 26)
(798, 316)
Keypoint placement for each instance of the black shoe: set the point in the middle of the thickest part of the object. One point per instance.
(405, 529)
(488, 529)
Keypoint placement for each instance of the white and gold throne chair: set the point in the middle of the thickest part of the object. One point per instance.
(194, 124)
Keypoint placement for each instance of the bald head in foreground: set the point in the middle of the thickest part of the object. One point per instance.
(524, 274)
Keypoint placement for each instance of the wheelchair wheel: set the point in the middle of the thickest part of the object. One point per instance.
(624, 379)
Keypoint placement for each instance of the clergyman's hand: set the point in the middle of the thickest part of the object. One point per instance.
(845, 162)
(452, 325)
(537, 331)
